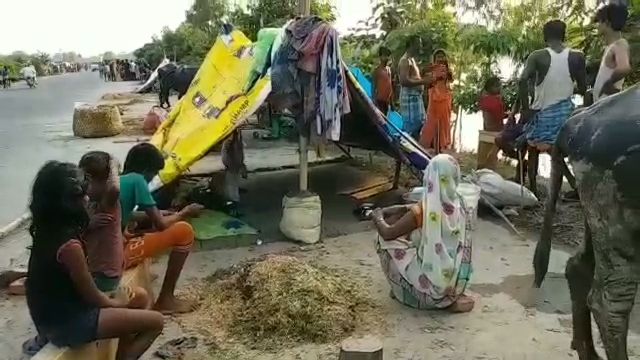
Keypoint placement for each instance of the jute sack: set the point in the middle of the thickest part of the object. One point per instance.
(301, 218)
(96, 121)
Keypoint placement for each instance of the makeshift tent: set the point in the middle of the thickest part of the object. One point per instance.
(227, 89)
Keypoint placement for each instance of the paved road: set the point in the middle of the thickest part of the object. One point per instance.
(35, 126)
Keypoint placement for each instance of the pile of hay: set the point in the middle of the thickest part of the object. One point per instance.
(96, 121)
(277, 300)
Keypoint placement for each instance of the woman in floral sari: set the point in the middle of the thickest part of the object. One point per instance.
(425, 249)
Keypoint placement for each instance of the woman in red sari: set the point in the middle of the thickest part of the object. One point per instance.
(437, 132)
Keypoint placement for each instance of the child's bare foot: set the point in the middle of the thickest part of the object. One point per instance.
(173, 306)
(464, 304)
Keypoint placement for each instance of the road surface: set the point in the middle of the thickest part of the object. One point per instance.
(35, 126)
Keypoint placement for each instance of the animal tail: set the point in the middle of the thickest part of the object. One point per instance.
(543, 248)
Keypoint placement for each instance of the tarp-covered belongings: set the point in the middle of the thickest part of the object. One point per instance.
(401, 143)
(308, 78)
(152, 78)
(215, 104)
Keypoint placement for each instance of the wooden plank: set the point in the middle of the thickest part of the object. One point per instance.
(373, 191)
(369, 184)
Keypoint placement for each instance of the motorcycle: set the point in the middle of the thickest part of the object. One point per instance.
(31, 82)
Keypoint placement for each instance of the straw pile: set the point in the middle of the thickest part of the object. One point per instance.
(96, 121)
(277, 300)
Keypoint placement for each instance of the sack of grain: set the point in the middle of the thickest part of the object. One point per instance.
(96, 121)
(301, 218)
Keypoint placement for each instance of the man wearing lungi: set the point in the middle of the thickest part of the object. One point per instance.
(412, 88)
(554, 71)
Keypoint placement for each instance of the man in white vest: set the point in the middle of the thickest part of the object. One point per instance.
(554, 70)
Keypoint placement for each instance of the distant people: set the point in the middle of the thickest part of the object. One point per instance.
(437, 131)
(168, 232)
(113, 70)
(615, 64)
(6, 81)
(412, 87)
(135, 70)
(107, 71)
(382, 81)
(29, 73)
(64, 303)
(554, 70)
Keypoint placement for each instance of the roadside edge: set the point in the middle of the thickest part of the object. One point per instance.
(15, 224)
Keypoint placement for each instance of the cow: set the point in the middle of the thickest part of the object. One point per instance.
(174, 77)
(602, 143)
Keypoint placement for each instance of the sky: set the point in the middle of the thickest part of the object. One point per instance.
(91, 27)
(88, 27)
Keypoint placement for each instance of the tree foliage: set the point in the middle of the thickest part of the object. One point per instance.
(191, 41)
(500, 33)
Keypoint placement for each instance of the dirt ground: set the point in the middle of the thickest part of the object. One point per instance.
(510, 321)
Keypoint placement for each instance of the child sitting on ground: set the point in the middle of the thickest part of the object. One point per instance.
(102, 238)
(64, 302)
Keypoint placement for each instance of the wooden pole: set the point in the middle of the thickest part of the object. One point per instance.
(304, 9)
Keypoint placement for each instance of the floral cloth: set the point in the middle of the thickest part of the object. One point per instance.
(433, 269)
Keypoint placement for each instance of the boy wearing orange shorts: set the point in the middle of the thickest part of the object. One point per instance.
(168, 231)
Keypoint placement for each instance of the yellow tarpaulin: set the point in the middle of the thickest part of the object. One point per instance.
(215, 104)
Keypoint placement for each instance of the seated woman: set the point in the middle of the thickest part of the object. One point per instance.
(425, 249)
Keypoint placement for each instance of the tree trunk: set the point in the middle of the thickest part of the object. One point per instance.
(366, 348)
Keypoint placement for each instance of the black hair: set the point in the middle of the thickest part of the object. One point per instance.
(412, 40)
(554, 30)
(491, 82)
(613, 14)
(97, 164)
(143, 158)
(384, 51)
(58, 213)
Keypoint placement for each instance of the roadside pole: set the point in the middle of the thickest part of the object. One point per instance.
(304, 9)
(302, 212)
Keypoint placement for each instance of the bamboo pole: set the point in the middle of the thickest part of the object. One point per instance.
(304, 8)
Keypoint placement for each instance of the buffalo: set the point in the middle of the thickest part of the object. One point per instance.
(172, 77)
(602, 143)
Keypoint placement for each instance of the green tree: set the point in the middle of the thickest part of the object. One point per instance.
(275, 13)
(109, 55)
(208, 15)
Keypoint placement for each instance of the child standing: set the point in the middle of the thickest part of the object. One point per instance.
(382, 82)
(233, 161)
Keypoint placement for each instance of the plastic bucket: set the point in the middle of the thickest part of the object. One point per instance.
(471, 195)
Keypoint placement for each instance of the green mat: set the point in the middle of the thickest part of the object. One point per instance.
(217, 230)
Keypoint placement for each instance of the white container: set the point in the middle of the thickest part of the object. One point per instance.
(414, 196)
(471, 195)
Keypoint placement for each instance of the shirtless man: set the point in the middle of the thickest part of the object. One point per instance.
(554, 70)
(615, 64)
(412, 88)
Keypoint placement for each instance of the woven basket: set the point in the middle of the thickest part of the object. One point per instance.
(97, 121)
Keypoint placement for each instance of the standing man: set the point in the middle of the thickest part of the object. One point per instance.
(382, 82)
(615, 64)
(554, 70)
(412, 88)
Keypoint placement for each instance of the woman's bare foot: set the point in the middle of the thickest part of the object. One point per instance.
(464, 304)
(173, 306)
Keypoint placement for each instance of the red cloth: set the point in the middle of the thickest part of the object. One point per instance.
(493, 105)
